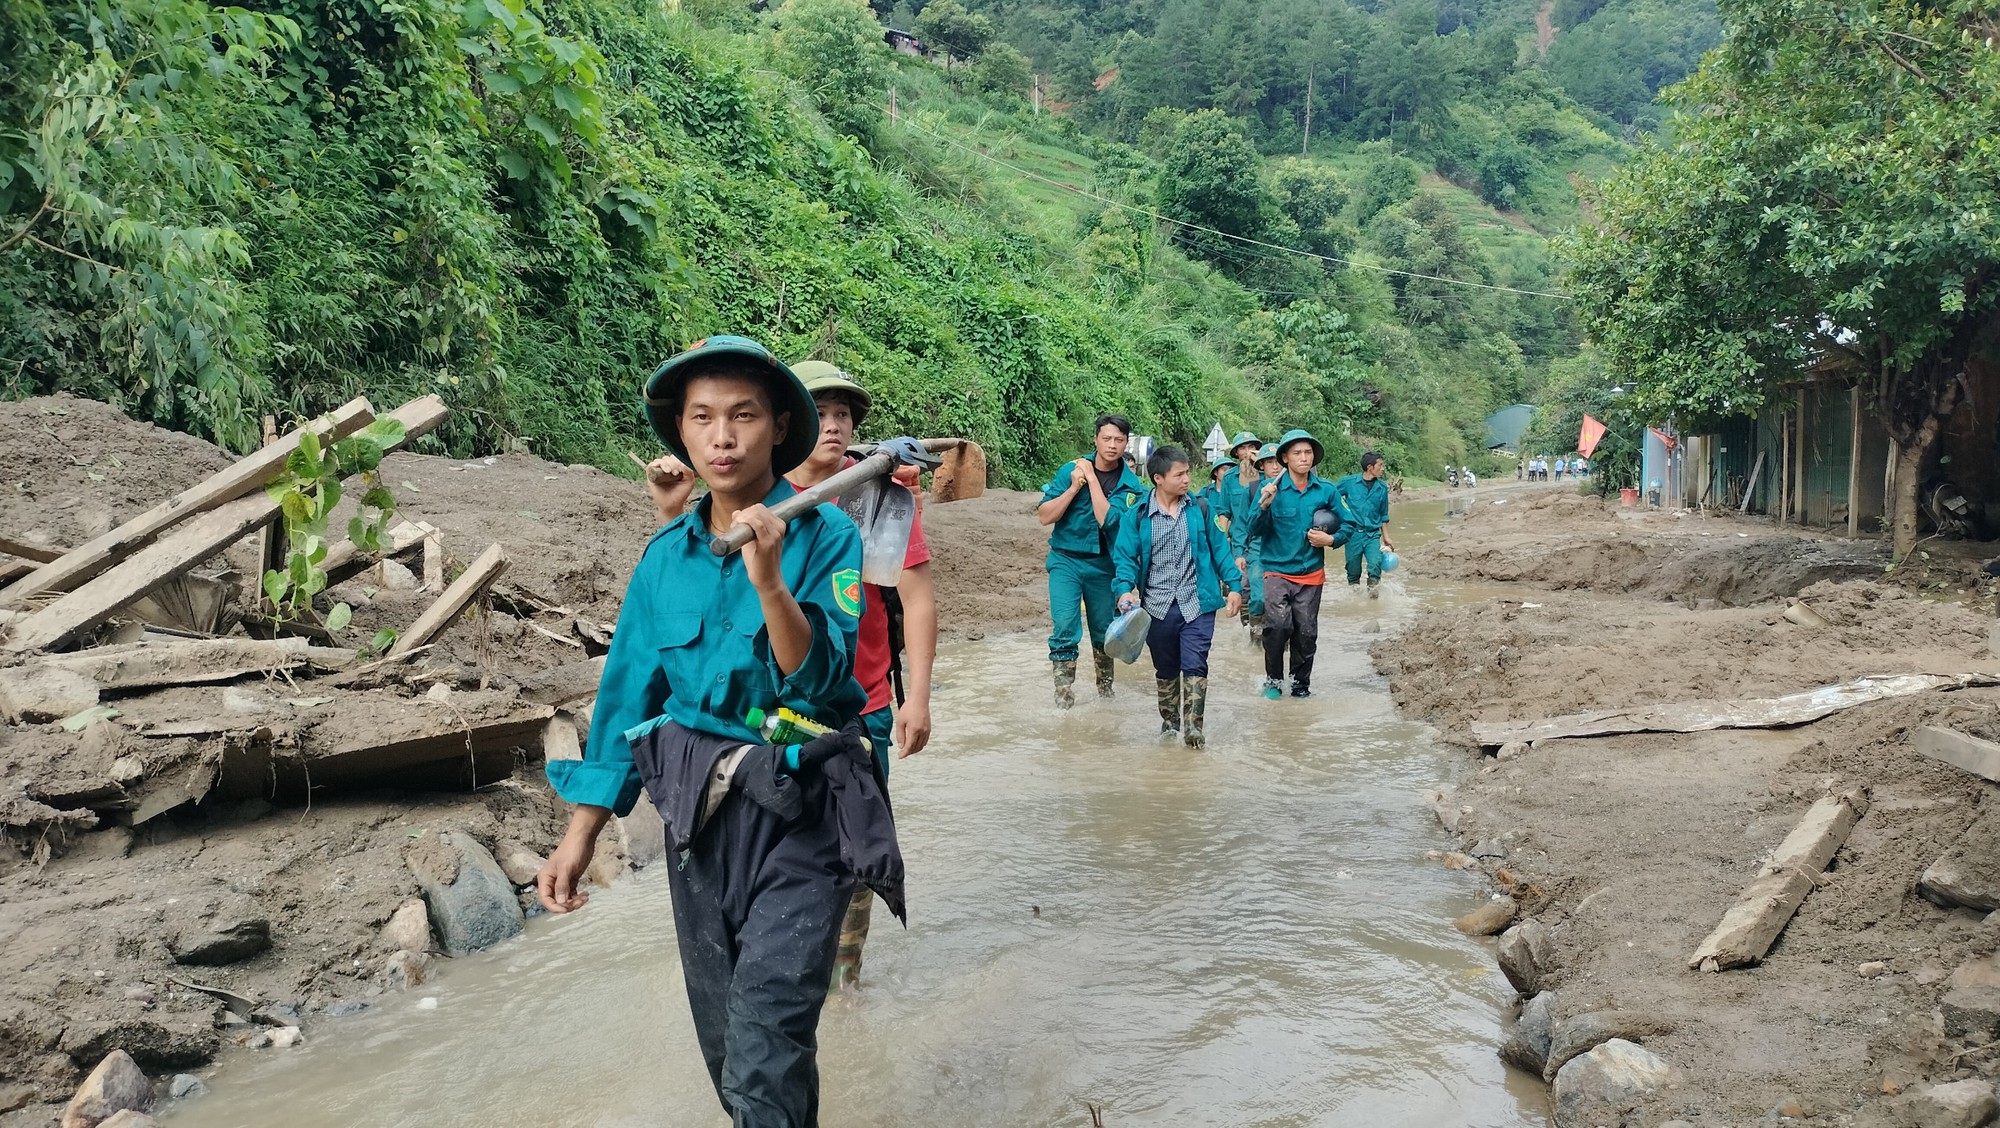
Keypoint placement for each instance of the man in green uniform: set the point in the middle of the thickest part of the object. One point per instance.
(1298, 518)
(1238, 496)
(1364, 510)
(768, 841)
(1083, 504)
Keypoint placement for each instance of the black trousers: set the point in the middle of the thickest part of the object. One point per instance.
(1291, 623)
(757, 906)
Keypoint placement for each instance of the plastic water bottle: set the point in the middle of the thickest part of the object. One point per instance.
(784, 726)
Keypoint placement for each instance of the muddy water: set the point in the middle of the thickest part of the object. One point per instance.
(1246, 936)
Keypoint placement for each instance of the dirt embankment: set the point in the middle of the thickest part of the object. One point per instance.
(1628, 849)
(283, 899)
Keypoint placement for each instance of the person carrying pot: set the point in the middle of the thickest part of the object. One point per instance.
(1082, 505)
(1172, 560)
(1298, 519)
(1364, 510)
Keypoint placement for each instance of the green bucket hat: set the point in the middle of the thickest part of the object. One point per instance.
(727, 352)
(1241, 438)
(1268, 450)
(1299, 435)
(822, 378)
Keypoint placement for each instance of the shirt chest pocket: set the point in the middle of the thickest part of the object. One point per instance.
(710, 659)
(1285, 506)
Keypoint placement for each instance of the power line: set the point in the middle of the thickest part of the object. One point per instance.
(1244, 239)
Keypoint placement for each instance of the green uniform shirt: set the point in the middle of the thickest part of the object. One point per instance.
(1363, 503)
(1284, 525)
(1077, 530)
(692, 646)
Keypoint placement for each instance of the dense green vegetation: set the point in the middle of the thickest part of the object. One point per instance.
(1832, 193)
(208, 214)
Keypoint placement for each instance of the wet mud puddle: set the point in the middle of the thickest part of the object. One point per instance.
(1244, 936)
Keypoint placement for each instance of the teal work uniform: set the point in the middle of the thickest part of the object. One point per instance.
(1284, 524)
(692, 647)
(1241, 501)
(1215, 574)
(1364, 505)
(1079, 562)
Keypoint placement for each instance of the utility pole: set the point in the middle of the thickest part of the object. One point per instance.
(1038, 93)
(1307, 143)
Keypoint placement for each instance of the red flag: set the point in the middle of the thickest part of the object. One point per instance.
(1587, 439)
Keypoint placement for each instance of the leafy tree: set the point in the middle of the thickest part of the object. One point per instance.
(1504, 171)
(946, 25)
(1001, 69)
(1387, 180)
(1830, 189)
(1212, 177)
(834, 47)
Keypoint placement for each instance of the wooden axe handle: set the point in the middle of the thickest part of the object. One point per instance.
(862, 472)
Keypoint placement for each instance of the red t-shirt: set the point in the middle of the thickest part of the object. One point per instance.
(871, 646)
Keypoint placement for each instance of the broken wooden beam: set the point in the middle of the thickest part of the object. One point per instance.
(1766, 905)
(176, 552)
(60, 685)
(244, 476)
(26, 550)
(1702, 716)
(383, 738)
(1980, 757)
(462, 592)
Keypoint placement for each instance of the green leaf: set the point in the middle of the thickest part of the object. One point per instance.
(500, 82)
(297, 509)
(515, 165)
(357, 531)
(300, 570)
(338, 618)
(383, 640)
(385, 432)
(276, 584)
(379, 497)
(542, 128)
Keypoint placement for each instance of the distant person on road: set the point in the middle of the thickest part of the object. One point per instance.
(1239, 499)
(1299, 518)
(1561, 466)
(768, 841)
(1082, 505)
(1364, 513)
(1520, 469)
(1174, 562)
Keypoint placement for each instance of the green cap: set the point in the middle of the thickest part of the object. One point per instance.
(1241, 438)
(1268, 450)
(727, 352)
(822, 378)
(1298, 435)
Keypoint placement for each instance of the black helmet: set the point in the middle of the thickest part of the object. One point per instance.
(1325, 520)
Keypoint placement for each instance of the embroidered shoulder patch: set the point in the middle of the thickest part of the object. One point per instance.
(847, 591)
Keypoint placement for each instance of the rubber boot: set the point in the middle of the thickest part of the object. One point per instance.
(1374, 587)
(1065, 684)
(1104, 668)
(1273, 689)
(1196, 696)
(853, 934)
(1169, 690)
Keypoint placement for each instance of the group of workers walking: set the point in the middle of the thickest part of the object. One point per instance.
(1252, 541)
(753, 699)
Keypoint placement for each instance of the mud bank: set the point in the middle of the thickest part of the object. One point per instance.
(1623, 852)
(102, 925)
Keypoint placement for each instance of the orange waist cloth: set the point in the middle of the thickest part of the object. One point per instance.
(1314, 578)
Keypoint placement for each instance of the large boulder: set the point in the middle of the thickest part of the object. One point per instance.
(1959, 1104)
(1524, 954)
(1584, 1032)
(1969, 873)
(472, 904)
(163, 1040)
(1528, 1046)
(1488, 919)
(408, 929)
(115, 1085)
(1609, 1085)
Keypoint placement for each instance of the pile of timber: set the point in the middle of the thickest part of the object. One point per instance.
(128, 687)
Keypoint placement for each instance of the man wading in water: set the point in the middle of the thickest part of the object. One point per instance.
(1298, 519)
(1080, 502)
(767, 842)
(1364, 509)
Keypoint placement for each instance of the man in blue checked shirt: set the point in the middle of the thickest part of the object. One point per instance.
(762, 868)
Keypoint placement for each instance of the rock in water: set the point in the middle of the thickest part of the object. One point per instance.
(1528, 1046)
(186, 1085)
(1602, 1086)
(409, 929)
(1523, 951)
(1575, 1036)
(1969, 873)
(1489, 918)
(1960, 1104)
(520, 864)
(471, 901)
(115, 1085)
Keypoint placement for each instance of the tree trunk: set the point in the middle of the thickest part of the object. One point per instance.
(1915, 439)
(1903, 503)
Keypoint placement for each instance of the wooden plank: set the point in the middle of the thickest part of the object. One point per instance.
(176, 552)
(59, 685)
(1702, 716)
(26, 550)
(1766, 905)
(345, 559)
(382, 735)
(1980, 757)
(242, 477)
(462, 592)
